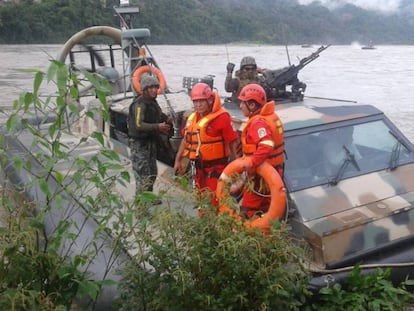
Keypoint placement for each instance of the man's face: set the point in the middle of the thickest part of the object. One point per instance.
(244, 108)
(201, 106)
(249, 71)
(151, 91)
(249, 68)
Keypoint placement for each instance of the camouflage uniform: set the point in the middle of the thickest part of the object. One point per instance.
(242, 78)
(144, 116)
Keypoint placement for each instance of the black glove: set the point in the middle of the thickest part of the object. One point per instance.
(230, 67)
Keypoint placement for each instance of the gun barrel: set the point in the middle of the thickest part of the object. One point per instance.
(304, 61)
(277, 80)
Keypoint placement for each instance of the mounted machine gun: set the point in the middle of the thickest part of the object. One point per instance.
(275, 81)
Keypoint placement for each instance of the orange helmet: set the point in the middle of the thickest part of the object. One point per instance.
(201, 91)
(253, 92)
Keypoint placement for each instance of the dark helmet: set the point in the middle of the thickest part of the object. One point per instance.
(147, 81)
(248, 60)
(111, 74)
(201, 91)
(253, 92)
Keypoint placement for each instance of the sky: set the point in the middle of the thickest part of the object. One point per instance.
(377, 5)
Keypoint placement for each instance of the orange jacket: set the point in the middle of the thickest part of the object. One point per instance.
(267, 113)
(199, 145)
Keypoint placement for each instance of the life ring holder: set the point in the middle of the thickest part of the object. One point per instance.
(146, 69)
(277, 191)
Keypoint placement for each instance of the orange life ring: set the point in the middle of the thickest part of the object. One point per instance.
(277, 190)
(148, 70)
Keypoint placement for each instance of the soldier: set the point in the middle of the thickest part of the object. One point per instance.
(248, 73)
(146, 122)
(262, 140)
(209, 140)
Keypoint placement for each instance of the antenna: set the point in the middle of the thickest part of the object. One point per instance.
(283, 29)
(227, 52)
(287, 53)
(286, 44)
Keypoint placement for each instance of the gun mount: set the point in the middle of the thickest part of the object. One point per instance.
(275, 82)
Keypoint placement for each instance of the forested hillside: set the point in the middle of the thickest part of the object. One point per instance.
(209, 21)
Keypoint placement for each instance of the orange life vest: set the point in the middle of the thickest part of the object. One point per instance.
(267, 113)
(198, 144)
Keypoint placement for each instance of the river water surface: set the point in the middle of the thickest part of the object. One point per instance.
(383, 77)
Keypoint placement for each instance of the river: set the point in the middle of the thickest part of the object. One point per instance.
(383, 77)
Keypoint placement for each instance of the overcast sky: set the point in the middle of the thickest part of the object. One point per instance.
(378, 5)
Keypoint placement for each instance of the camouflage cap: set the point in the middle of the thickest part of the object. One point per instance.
(247, 60)
(147, 81)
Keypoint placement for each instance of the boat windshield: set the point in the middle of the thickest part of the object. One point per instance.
(331, 155)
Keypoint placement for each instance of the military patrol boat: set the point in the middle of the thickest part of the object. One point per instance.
(348, 174)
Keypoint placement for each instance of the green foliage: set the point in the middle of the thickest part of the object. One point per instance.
(33, 276)
(209, 22)
(363, 292)
(46, 267)
(212, 263)
(50, 21)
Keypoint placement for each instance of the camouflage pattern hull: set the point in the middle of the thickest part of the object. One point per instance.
(365, 213)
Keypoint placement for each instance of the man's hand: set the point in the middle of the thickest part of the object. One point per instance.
(180, 166)
(170, 120)
(230, 67)
(164, 128)
(248, 167)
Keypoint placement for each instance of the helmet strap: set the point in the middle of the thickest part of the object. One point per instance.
(256, 107)
(210, 102)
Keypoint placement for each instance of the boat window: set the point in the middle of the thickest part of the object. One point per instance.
(328, 156)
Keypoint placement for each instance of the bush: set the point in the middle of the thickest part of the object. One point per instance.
(363, 292)
(212, 263)
(32, 275)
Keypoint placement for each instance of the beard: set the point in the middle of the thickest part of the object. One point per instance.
(249, 75)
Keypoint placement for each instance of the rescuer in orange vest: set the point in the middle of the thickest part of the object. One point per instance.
(262, 140)
(209, 140)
